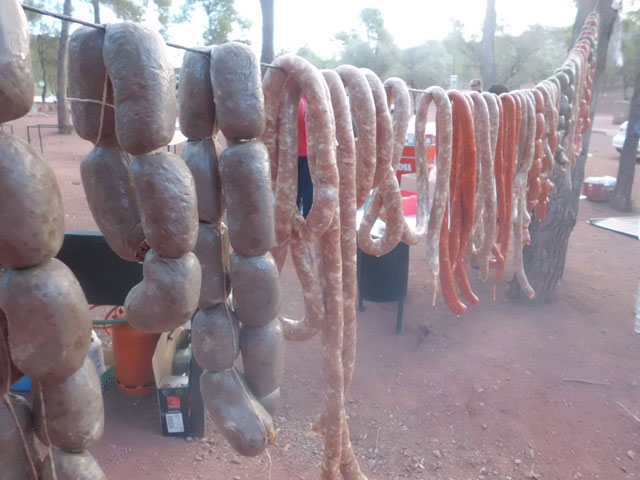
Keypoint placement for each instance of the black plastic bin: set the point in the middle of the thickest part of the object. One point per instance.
(105, 278)
(384, 279)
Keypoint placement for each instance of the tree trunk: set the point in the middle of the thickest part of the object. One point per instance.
(96, 11)
(63, 111)
(267, 31)
(544, 258)
(487, 56)
(626, 168)
(43, 65)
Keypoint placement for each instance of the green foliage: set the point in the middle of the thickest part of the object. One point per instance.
(425, 65)
(374, 26)
(630, 48)
(377, 52)
(306, 53)
(531, 56)
(223, 19)
(44, 58)
(521, 59)
(125, 9)
(465, 55)
(45, 33)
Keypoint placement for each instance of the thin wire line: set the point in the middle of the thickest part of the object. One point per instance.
(66, 18)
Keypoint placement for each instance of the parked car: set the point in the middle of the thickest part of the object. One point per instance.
(618, 139)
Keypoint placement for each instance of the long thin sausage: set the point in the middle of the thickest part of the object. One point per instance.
(287, 178)
(363, 111)
(499, 167)
(388, 190)
(488, 185)
(455, 188)
(332, 350)
(410, 235)
(444, 134)
(389, 193)
(272, 88)
(321, 132)
(346, 158)
(466, 175)
(528, 135)
(511, 112)
(398, 96)
(307, 271)
(446, 275)
(384, 129)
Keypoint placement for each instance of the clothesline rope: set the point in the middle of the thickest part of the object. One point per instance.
(67, 18)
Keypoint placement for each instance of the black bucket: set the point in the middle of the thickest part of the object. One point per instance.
(384, 279)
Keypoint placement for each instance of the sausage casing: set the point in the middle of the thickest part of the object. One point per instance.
(166, 196)
(168, 295)
(237, 414)
(49, 326)
(144, 87)
(212, 250)
(256, 289)
(31, 212)
(72, 466)
(16, 79)
(201, 157)
(196, 110)
(215, 338)
(237, 91)
(244, 170)
(74, 410)
(263, 357)
(88, 80)
(108, 186)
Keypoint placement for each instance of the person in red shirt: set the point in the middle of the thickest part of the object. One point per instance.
(304, 199)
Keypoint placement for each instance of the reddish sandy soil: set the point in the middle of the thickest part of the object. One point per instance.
(490, 395)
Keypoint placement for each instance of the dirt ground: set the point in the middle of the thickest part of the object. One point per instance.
(504, 392)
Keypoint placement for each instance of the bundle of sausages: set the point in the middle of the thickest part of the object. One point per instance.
(158, 208)
(496, 156)
(322, 246)
(45, 331)
(144, 203)
(220, 88)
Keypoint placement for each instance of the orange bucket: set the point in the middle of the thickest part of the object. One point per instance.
(132, 353)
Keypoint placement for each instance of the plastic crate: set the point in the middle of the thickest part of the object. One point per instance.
(22, 385)
(597, 192)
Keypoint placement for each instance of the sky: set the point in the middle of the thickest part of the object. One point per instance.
(410, 22)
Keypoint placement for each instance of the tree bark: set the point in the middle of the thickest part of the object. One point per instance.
(486, 45)
(43, 65)
(96, 11)
(63, 111)
(626, 168)
(267, 31)
(545, 257)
